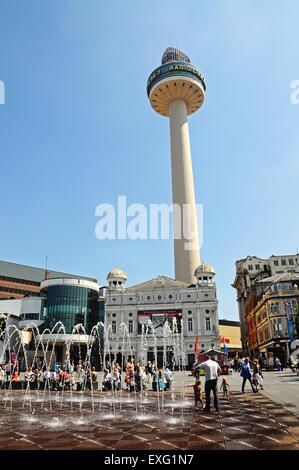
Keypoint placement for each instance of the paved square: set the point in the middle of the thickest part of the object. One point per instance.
(125, 422)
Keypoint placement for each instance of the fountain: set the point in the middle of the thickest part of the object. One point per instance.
(52, 396)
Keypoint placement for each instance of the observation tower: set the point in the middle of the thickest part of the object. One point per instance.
(177, 89)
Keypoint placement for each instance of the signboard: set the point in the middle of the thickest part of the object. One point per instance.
(167, 313)
(290, 320)
(174, 69)
(158, 318)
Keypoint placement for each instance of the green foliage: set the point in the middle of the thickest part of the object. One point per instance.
(2, 323)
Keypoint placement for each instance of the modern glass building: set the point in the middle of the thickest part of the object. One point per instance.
(18, 280)
(70, 301)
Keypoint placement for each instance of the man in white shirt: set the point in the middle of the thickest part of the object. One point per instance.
(212, 372)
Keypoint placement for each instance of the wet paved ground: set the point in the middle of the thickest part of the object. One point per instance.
(247, 421)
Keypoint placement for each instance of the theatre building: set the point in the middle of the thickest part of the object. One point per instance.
(178, 312)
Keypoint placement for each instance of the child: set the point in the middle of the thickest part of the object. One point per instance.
(197, 394)
(225, 388)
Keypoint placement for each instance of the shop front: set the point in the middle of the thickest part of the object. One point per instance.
(276, 349)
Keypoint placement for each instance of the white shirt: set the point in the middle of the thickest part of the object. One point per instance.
(211, 368)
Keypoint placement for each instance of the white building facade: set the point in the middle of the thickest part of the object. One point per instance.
(189, 310)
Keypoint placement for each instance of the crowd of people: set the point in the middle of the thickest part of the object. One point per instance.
(9, 371)
(137, 377)
(65, 376)
(237, 362)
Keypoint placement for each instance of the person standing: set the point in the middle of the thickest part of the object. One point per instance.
(212, 372)
(129, 374)
(246, 375)
(278, 364)
(168, 378)
(225, 388)
(257, 374)
(149, 368)
(161, 380)
(198, 396)
(261, 363)
(2, 377)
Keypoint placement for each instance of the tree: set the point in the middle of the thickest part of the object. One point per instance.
(2, 322)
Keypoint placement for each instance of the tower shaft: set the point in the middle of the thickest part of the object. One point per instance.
(176, 89)
(186, 246)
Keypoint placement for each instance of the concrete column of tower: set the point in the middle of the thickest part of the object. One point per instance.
(177, 89)
(186, 246)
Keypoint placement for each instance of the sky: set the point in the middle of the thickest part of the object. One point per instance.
(77, 130)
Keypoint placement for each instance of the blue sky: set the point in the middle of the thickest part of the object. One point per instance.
(77, 130)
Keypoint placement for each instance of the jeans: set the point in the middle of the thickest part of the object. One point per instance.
(250, 381)
(209, 386)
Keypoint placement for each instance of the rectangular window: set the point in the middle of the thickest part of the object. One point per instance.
(275, 307)
(283, 262)
(208, 324)
(190, 324)
(250, 267)
(113, 324)
(130, 326)
(291, 262)
(31, 316)
(276, 262)
(277, 327)
(257, 266)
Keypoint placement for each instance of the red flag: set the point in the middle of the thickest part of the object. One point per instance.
(196, 347)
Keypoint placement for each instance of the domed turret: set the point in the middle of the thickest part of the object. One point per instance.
(116, 279)
(172, 54)
(204, 274)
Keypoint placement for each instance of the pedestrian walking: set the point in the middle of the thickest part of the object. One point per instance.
(246, 375)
